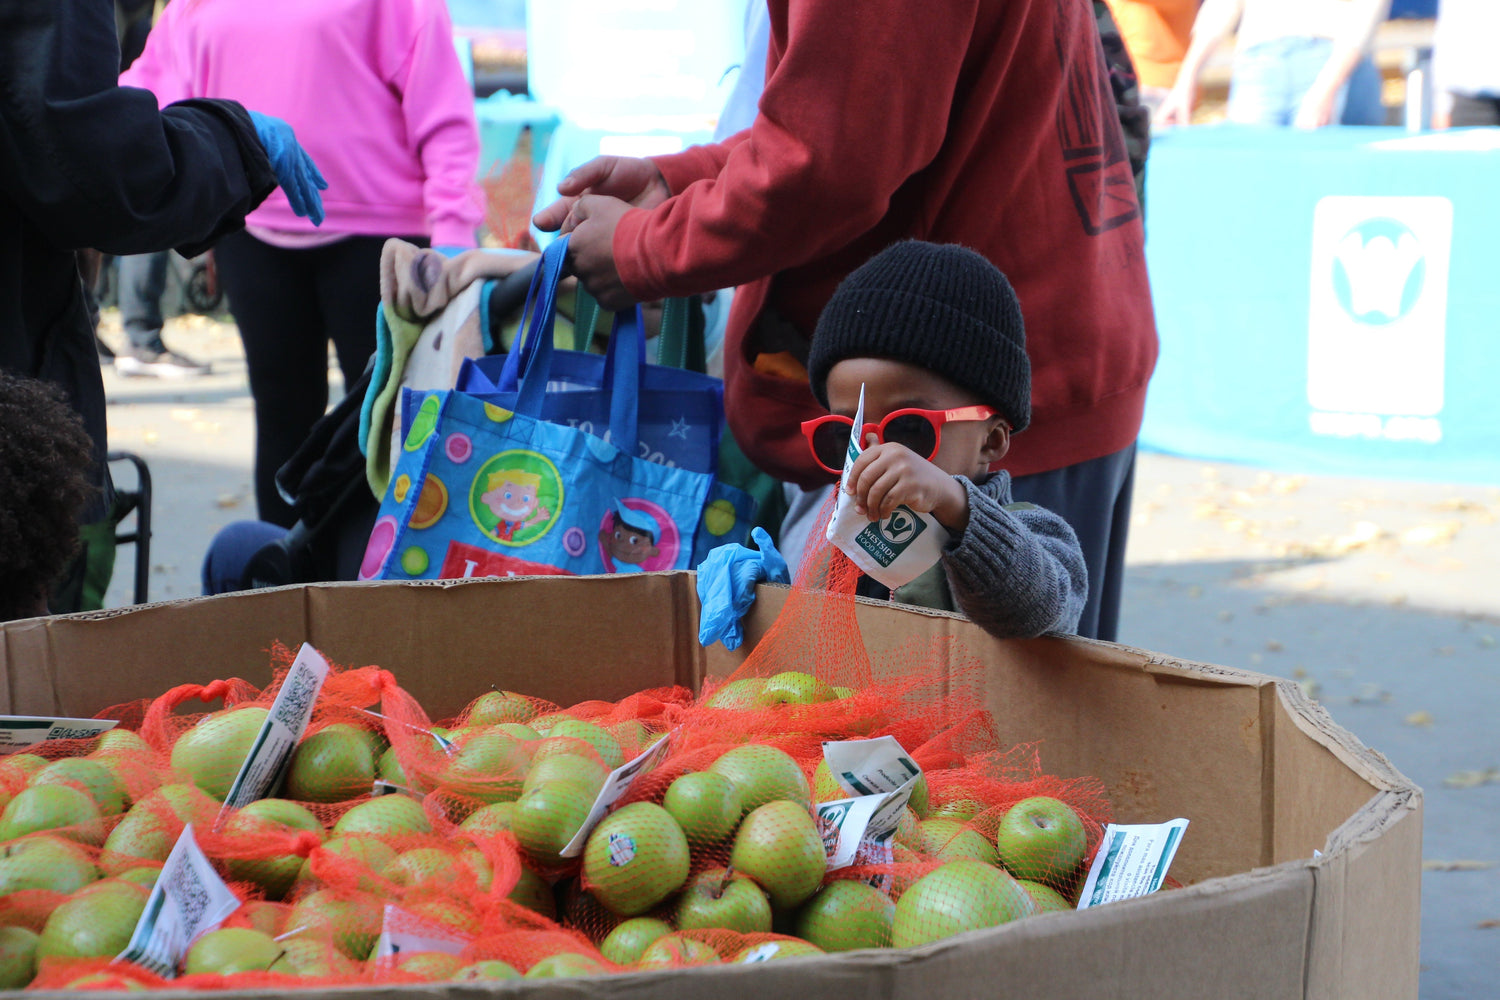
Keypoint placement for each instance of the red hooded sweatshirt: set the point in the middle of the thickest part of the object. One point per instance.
(988, 123)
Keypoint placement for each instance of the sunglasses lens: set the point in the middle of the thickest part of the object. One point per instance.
(914, 432)
(830, 442)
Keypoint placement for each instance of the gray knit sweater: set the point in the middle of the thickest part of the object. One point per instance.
(1016, 570)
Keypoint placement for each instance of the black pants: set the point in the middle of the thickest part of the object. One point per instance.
(288, 305)
(1474, 111)
(1093, 497)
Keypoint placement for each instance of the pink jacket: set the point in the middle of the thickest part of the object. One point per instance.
(373, 88)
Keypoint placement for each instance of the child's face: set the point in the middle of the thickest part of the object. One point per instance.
(967, 447)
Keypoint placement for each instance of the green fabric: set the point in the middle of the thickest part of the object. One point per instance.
(395, 340)
(930, 590)
(87, 577)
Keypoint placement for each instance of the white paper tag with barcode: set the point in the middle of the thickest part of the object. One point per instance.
(188, 900)
(880, 776)
(615, 787)
(1132, 861)
(403, 934)
(281, 732)
(21, 732)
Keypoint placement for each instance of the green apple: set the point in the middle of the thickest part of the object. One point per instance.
(150, 829)
(122, 743)
(633, 736)
(921, 798)
(908, 828)
(230, 950)
(1046, 898)
(316, 957)
(143, 875)
(17, 957)
(548, 816)
(349, 859)
(491, 968)
(212, 752)
(95, 924)
(495, 707)
(776, 951)
(763, 774)
(388, 768)
(533, 892)
(115, 981)
(636, 857)
(960, 896)
(431, 868)
(432, 966)
(260, 915)
(352, 922)
(490, 766)
(792, 687)
(1041, 839)
(950, 840)
(519, 730)
(332, 765)
(825, 787)
(624, 944)
(387, 816)
(585, 772)
(706, 804)
(962, 810)
(673, 951)
(840, 692)
(603, 741)
(373, 738)
(737, 695)
(61, 808)
(847, 915)
(567, 964)
(261, 827)
(778, 845)
(721, 899)
(483, 824)
(543, 723)
(45, 862)
(17, 769)
(93, 778)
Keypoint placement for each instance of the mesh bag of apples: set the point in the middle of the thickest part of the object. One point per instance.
(492, 856)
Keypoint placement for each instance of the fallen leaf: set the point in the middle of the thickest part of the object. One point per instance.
(1228, 616)
(1487, 641)
(1195, 591)
(227, 500)
(1445, 651)
(1422, 719)
(1455, 866)
(1473, 779)
(1485, 925)
(1439, 533)
(1272, 646)
(1299, 673)
(1311, 688)
(183, 415)
(1289, 484)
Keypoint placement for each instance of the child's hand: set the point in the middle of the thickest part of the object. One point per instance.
(886, 476)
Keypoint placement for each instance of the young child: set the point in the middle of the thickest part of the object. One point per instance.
(45, 461)
(934, 336)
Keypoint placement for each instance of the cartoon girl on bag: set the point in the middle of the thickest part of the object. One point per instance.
(630, 540)
(512, 498)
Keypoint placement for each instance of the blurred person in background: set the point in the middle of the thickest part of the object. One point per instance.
(1303, 63)
(1156, 34)
(84, 164)
(377, 93)
(1465, 66)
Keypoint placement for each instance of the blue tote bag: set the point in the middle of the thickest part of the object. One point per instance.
(485, 490)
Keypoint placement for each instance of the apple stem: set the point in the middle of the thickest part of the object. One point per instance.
(723, 882)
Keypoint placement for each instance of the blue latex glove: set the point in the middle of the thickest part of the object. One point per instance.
(452, 251)
(726, 587)
(295, 171)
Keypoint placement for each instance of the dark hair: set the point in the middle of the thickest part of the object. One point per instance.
(45, 460)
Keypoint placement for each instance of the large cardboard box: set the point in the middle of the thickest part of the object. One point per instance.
(1302, 865)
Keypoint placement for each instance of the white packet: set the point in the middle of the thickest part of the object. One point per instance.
(1132, 861)
(894, 551)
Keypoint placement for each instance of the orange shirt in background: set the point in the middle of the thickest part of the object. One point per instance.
(1156, 34)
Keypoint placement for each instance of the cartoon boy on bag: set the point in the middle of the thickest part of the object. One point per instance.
(512, 498)
(630, 540)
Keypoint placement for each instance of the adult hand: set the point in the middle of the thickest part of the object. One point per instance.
(1177, 108)
(630, 179)
(591, 224)
(1317, 107)
(726, 587)
(297, 174)
(887, 476)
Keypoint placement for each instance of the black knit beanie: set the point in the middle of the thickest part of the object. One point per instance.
(939, 307)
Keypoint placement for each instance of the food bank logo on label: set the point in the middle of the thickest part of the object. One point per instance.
(1377, 318)
(886, 540)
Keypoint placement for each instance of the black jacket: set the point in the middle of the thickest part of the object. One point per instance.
(87, 164)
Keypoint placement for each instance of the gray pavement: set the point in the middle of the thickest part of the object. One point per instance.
(1381, 597)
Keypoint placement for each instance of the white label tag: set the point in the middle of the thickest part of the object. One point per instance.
(881, 776)
(615, 787)
(1132, 861)
(281, 732)
(402, 933)
(894, 551)
(761, 953)
(20, 732)
(383, 787)
(188, 900)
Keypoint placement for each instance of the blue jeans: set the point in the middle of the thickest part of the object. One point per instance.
(1271, 79)
(230, 551)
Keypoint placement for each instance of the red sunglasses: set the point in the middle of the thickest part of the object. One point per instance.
(919, 430)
